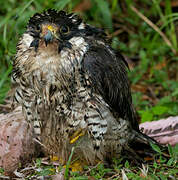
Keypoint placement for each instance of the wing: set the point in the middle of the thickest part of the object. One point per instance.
(108, 75)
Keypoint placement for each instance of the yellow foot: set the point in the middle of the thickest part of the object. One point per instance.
(76, 135)
(54, 158)
(75, 166)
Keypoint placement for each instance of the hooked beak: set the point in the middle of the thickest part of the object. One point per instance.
(48, 37)
(51, 33)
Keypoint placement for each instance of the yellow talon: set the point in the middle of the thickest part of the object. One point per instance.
(54, 158)
(76, 135)
(76, 166)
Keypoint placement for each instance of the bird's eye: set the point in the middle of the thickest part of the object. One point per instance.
(38, 28)
(64, 29)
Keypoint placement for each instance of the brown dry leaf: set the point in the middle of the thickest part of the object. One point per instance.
(129, 62)
(161, 65)
(91, 178)
(148, 158)
(142, 176)
(145, 97)
(174, 3)
(139, 88)
(16, 140)
(83, 6)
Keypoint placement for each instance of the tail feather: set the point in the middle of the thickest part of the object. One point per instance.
(140, 147)
(143, 138)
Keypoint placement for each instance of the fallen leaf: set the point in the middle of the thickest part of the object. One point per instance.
(83, 6)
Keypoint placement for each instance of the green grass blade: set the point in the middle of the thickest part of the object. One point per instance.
(103, 8)
(61, 4)
(66, 174)
(4, 77)
(25, 7)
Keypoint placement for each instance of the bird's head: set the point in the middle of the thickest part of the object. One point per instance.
(49, 32)
(53, 26)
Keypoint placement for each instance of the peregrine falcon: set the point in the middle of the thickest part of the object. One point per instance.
(73, 88)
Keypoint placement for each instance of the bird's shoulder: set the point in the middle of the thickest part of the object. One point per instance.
(107, 70)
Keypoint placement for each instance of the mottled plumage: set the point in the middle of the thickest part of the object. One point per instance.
(74, 89)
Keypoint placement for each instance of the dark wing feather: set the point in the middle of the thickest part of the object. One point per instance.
(108, 75)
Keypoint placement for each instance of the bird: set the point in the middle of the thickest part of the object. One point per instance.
(74, 89)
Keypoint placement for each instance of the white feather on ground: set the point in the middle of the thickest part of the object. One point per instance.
(165, 131)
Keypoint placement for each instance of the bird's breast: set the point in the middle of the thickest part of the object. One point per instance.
(62, 69)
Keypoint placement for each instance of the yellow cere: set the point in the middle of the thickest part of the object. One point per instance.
(51, 28)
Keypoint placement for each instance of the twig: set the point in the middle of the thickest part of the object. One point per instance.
(114, 176)
(36, 140)
(92, 168)
(154, 27)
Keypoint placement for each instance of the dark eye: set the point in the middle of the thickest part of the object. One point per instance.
(38, 28)
(64, 29)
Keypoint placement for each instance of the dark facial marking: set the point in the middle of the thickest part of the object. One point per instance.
(68, 27)
(35, 43)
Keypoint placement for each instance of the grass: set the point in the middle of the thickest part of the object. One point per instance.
(147, 36)
(160, 168)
